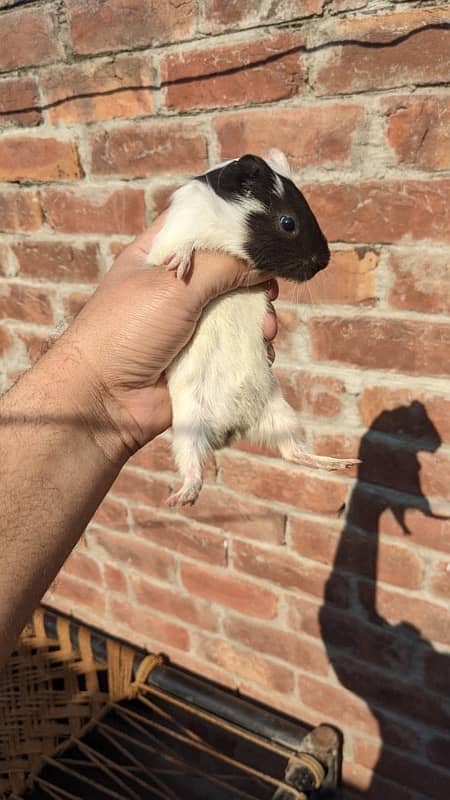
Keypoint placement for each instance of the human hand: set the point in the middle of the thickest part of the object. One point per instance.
(138, 320)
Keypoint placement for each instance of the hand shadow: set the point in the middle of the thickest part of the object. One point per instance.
(396, 671)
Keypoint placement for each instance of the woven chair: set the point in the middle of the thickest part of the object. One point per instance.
(84, 716)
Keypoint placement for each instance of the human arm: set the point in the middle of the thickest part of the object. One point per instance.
(71, 422)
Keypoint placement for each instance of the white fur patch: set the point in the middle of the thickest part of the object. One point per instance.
(278, 161)
(279, 188)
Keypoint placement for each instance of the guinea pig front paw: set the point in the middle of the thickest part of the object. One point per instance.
(180, 261)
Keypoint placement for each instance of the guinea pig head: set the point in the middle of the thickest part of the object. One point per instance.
(283, 235)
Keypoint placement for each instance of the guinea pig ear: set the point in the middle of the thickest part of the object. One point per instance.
(249, 172)
(278, 161)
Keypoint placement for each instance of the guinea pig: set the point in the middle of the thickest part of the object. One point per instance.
(221, 385)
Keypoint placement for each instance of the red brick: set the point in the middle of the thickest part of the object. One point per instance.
(130, 552)
(78, 594)
(297, 651)
(27, 37)
(155, 628)
(355, 553)
(19, 211)
(233, 74)
(418, 59)
(104, 85)
(349, 279)
(168, 531)
(283, 484)
(5, 339)
(161, 196)
(245, 664)
(304, 134)
(139, 487)
(82, 565)
(115, 579)
(4, 260)
(419, 131)
(111, 514)
(226, 14)
(291, 333)
(440, 582)
(437, 673)
(420, 281)
(336, 703)
(388, 408)
(174, 604)
(58, 261)
(357, 212)
(382, 343)
(139, 151)
(432, 620)
(229, 591)
(17, 94)
(23, 158)
(312, 394)
(438, 749)
(74, 302)
(35, 345)
(283, 569)
(103, 25)
(155, 456)
(237, 515)
(25, 303)
(406, 770)
(121, 211)
(371, 512)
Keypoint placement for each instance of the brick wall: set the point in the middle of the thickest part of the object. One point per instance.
(325, 596)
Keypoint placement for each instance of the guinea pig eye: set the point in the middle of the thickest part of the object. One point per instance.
(287, 224)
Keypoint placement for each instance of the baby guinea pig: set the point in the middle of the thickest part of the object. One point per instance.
(221, 385)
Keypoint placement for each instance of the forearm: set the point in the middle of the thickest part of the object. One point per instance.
(59, 456)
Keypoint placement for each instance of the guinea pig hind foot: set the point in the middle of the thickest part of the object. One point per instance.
(187, 495)
(296, 453)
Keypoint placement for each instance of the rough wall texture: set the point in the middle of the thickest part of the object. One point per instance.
(325, 596)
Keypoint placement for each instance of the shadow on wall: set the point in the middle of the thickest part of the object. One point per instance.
(392, 667)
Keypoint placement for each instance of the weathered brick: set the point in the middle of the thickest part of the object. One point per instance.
(233, 74)
(408, 771)
(304, 134)
(297, 651)
(420, 281)
(310, 393)
(25, 303)
(156, 456)
(440, 581)
(130, 552)
(355, 553)
(181, 537)
(19, 211)
(19, 103)
(23, 158)
(161, 195)
(174, 604)
(357, 212)
(101, 25)
(35, 345)
(431, 620)
(139, 487)
(389, 408)
(237, 515)
(137, 151)
(437, 673)
(420, 58)
(284, 484)
(336, 703)
(226, 14)
(245, 664)
(82, 565)
(382, 343)
(115, 579)
(154, 628)
(27, 37)
(120, 211)
(419, 131)
(350, 279)
(111, 514)
(58, 261)
(229, 591)
(74, 302)
(101, 90)
(77, 594)
(5, 339)
(281, 568)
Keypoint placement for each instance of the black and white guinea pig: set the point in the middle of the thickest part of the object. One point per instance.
(221, 385)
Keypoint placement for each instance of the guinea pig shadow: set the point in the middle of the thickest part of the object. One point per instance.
(392, 667)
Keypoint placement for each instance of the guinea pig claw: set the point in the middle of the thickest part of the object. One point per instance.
(181, 262)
